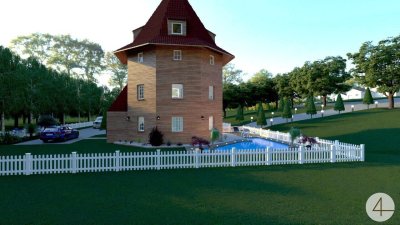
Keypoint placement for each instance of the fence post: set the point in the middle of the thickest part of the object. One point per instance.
(301, 154)
(73, 162)
(117, 161)
(333, 153)
(362, 152)
(28, 164)
(197, 158)
(233, 157)
(158, 159)
(268, 156)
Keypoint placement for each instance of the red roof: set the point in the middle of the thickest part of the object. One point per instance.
(121, 103)
(156, 30)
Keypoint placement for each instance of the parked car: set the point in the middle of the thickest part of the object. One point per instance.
(58, 133)
(97, 122)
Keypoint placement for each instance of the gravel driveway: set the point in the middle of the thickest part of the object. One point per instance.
(83, 134)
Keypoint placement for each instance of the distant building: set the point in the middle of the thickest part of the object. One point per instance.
(174, 79)
(357, 93)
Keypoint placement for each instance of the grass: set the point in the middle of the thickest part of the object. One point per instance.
(294, 194)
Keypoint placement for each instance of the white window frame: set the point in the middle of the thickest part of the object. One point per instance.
(140, 57)
(210, 92)
(140, 92)
(172, 28)
(177, 124)
(211, 122)
(180, 91)
(141, 124)
(177, 55)
(212, 60)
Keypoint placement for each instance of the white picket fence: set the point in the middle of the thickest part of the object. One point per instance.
(325, 151)
(79, 163)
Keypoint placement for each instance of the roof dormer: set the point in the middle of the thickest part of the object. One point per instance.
(177, 27)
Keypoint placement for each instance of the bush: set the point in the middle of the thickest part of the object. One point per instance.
(214, 135)
(31, 129)
(156, 137)
(197, 141)
(47, 121)
(9, 139)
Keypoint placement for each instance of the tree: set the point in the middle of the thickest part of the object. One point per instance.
(281, 105)
(287, 111)
(63, 53)
(262, 86)
(379, 66)
(368, 100)
(339, 105)
(294, 133)
(230, 96)
(311, 110)
(321, 77)
(35, 45)
(239, 113)
(119, 72)
(283, 87)
(261, 120)
(231, 75)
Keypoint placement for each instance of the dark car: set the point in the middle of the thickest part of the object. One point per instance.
(59, 133)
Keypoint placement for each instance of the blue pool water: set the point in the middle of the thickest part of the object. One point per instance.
(254, 143)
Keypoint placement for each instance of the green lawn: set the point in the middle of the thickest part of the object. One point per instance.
(294, 194)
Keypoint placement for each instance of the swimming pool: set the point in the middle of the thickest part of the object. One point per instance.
(254, 143)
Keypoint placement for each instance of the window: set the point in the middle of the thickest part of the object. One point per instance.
(177, 28)
(210, 122)
(177, 55)
(211, 92)
(177, 124)
(212, 60)
(140, 92)
(140, 57)
(141, 124)
(177, 91)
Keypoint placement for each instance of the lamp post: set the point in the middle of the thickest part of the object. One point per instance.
(322, 113)
(251, 118)
(352, 108)
(376, 104)
(322, 107)
(292, 117)
(272, 113)
(272, 121)
(295, 110)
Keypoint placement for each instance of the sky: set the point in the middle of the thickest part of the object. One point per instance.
(276, 35)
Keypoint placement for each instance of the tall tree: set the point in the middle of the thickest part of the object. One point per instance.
(379, 66)
(310, 106)
(35, 45)
(283, 87)
(239, 113)
(262, 86)
(119, 72)
(287, 111)
(339, 105)
(368, 100)
(231, 75)
(261, 120)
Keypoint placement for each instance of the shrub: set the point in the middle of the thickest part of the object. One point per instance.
(239, 115)
(31, 128)
(156, 137)
(287, 111)
(9, 139)
(368, 100)
(214, 135)
(294, 133)
(46, 121)
(197, 141)
(261, 120)
(339, 105)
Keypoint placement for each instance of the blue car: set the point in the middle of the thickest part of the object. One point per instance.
(59, 133)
